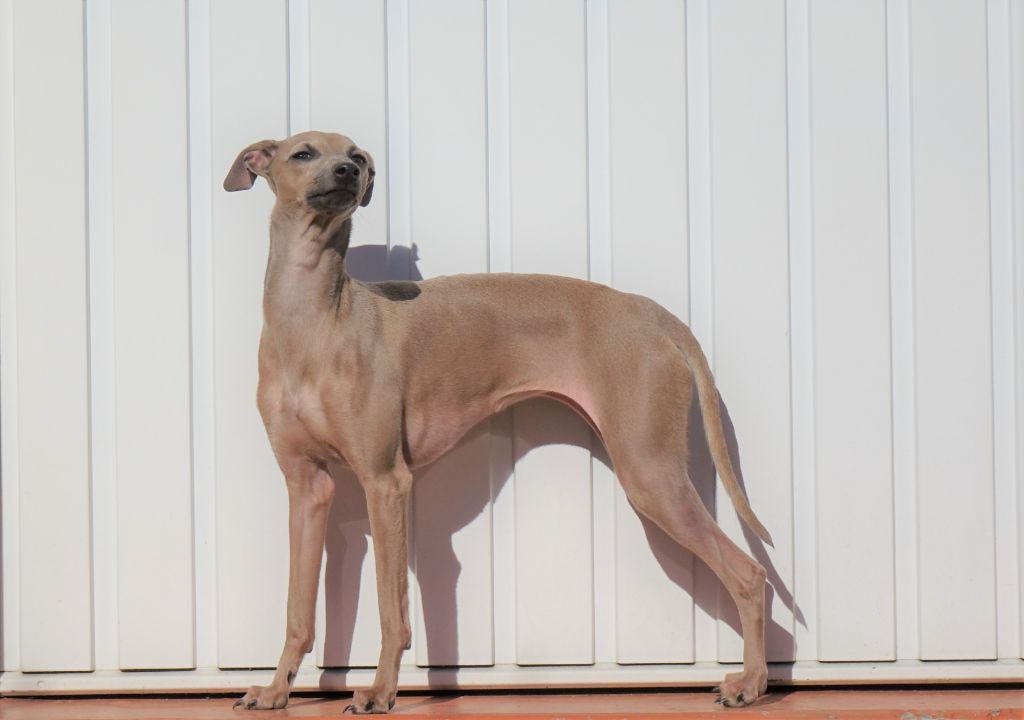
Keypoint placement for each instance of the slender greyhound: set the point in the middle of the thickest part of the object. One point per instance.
(386, 377)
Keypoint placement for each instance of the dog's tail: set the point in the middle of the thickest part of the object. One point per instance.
(709, 410)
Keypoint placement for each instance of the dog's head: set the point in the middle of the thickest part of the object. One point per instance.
(325, 173)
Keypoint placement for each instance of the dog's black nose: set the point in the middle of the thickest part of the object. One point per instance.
(346, 169)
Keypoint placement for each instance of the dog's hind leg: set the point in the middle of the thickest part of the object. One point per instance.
(647, 440)
(682, 515)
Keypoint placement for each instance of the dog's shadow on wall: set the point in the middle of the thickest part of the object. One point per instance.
(463, 489)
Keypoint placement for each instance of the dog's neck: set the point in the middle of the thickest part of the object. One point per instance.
(306, 277)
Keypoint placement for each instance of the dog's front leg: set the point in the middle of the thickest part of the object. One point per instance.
(387, 499)
(310, 491)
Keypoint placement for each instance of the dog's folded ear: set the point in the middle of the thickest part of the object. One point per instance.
(369, 184)
(250, 163)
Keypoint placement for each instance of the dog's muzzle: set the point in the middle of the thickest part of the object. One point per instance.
(337, 191)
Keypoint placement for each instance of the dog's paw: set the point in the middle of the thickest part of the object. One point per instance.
(372, 700)
(742, 688)
(262, 698)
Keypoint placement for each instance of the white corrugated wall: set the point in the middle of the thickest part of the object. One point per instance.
(830, 192)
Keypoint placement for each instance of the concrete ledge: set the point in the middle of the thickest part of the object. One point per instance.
(907, 672)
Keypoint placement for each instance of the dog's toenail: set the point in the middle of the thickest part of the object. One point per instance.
(349, 707)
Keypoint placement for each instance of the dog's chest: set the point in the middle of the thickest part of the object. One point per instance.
(295, 415)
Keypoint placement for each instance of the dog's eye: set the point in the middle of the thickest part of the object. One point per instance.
(303, 155)
(359, 159)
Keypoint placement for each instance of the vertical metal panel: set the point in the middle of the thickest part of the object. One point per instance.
(248, 92)
(1004, 357)
(452, 520)
(298, 67)
(549, 234)
(851, 331)
(154, 499)
(448, 203)
(751, 289)
(698, 153)
(654, 584)
(396, 89)
(801, 313)
(348, 617)
(102, 342)
(554, 608)
(10, 651)
(448, 136)
(1016, 27)
(647, 91)
(499, 259)
(343, 35)
(201, 184)
(901, 260)
(647, 100)
(548, 126)
(603, 482)
(52, 342)
(953, 330)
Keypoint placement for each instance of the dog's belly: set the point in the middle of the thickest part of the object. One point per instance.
(434, 430)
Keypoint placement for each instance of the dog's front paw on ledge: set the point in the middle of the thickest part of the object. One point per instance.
(372, 700)
(262, 698)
